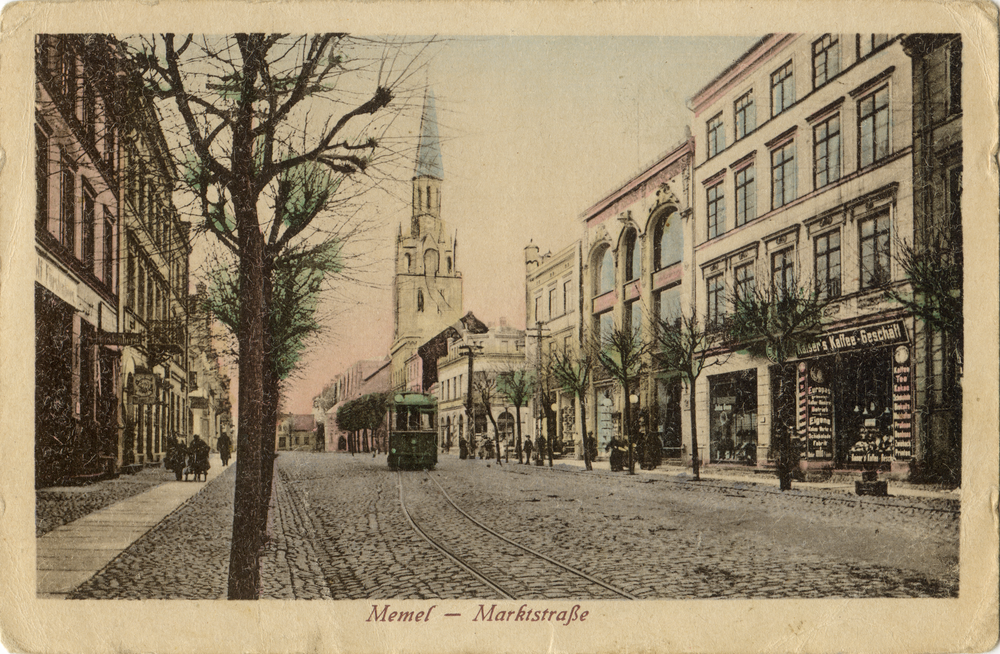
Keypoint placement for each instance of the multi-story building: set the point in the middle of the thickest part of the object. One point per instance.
(77, 235)
(552, 311)
(368, 376)
(635, 272)
(209, 406)
(496, 351)
(427, 287)
(937, 215)
(804, 176)
(155, 249)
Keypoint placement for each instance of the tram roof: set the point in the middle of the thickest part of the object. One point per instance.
(415, 399)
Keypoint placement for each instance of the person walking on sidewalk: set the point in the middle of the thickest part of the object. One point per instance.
(225, 447)
(199, 458)
(176, 457)
(527, 450)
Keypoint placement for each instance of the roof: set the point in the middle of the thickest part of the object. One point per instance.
(303, 422)
(415, 399)
(429, 149)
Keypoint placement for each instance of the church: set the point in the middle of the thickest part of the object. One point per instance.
(427, 287)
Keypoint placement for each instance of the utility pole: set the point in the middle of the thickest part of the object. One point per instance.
(470, 351)
(540, 398)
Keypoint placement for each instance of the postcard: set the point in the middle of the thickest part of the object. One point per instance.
(499, 327)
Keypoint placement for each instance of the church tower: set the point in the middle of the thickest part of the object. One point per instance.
(427, 287)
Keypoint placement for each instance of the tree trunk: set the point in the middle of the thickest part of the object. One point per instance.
(496, 433)
(583, 428)
(695, 464)
(627, 425)
(271, 401)
(244, 558)
(517, 446)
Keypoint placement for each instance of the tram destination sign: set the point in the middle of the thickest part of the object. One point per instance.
(890, 333)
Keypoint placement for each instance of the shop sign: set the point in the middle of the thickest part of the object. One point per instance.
(890, 333)
(902, 414)
(199, 402)
(121, 339)
(144, 388)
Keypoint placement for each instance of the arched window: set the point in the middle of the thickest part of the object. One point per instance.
(606, 273)
(448, 261)
(428, 196)
(432, 261)
(420, 300)
(633, 255)
(668, 239)
(406, 261)
(420, 197)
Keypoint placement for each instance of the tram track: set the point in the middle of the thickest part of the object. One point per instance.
(509, 568)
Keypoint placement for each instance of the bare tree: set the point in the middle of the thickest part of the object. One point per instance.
(516, 384)
(774, 322)
(685, 347)
(623, 354)
(485, 386)
(573, 372)
(272, 126)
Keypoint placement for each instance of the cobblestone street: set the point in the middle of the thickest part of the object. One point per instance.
(338, 532)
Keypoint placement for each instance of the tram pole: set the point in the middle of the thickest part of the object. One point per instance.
(470, 351)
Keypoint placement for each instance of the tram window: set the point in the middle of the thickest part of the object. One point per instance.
(415, 419)
(401, 418)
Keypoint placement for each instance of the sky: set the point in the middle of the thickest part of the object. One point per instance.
(534, 130)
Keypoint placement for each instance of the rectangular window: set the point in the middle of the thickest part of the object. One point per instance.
(826, 59)
(826, 152)
(89, 119)
(745, 282)
(567, 301)
(875, 270)
(67, 75)
(567, 345)
(746, 196)
(828, 265)
(109, 252)
(553, 307)
(955, 77)
(716, 210)
(89, 219)
(782, 273)
(873, 127)
(538, 308)
(783, 174)
(130, 281)
(716, 301)
(606, 325)
(668, 304)
(67, 208)
(41, 179)
(868, 43)
(716, 136)
(634, 314)
(782, 89)
(141, 294)
(746, 115)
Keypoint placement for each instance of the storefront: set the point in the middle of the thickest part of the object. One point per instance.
(733, 417)
(668, 416)
(854, 398)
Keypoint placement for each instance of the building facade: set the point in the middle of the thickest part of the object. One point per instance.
(77, 232)
(804, 177)
(498, 351)
(209, 406)
(937, 215)
(427, 287)
(296, 433)
(636, 271)
(367, 376)
(553, 324)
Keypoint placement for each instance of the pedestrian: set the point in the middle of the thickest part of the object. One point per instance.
(617, 449)
(463, 448)
(176, 458)
(225, 447)
(527, 450)
(540, 450)
(198, 458)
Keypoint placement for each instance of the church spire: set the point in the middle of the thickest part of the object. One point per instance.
(429, 149)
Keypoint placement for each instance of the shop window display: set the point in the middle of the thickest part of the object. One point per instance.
(733, 417)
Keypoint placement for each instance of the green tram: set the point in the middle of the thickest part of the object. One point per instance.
(412, 432)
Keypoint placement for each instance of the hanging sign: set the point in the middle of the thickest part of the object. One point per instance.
(121, 339)
(144, 388)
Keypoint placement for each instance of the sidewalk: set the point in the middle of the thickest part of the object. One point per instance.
(69, 555)
(899, 489)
